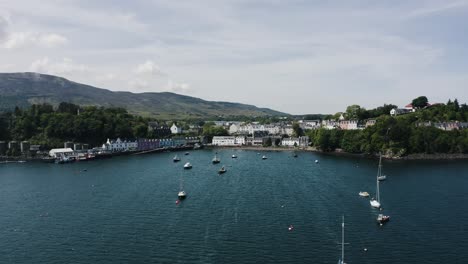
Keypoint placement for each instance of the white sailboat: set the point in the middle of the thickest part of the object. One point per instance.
(187, 166)
(216, 160)
(341, 261)
(375, 202)
(181, 195)
(381, 177)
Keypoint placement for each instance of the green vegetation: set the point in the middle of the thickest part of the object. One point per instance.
(49, 127)
(401, 135)
(210, 130)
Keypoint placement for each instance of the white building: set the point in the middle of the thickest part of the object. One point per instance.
(295, 142)
(309, 124)
(290, 142)
(228, 141)
(119, 145)
(175, 129)
(348, 124)
(330, 124)
(60, 151)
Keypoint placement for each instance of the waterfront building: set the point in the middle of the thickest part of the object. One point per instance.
(295, 142)
(228, 141)
(24, 146)
(120, 145)
(147, 144)
(59, 152)
(166, 143)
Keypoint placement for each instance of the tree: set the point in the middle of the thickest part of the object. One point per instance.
(298, 132)
(277, 142)
(420, 102)
(353, 111)
(268, 142)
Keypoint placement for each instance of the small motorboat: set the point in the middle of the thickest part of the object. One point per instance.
(176, 158)
(222, 170)
(187, 165)
(186, 153)
(234, 156)
(294, 155)
(264, 157)
(382, 178)
(316, 161)
(182, 195)
(364, 194)
(383, 218)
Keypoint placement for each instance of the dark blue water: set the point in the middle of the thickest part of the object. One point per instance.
(123, 210)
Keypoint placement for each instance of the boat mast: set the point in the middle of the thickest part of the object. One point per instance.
(342, 241)
(379, 173)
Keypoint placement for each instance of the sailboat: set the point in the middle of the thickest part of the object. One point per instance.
(176, 158)
(215, 159)
(341, 261)
(375, 202)
(182, 195)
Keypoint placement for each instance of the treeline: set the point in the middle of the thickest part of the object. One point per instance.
(400, 135)
(49, 127)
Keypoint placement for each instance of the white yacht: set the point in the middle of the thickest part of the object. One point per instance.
(375, 202)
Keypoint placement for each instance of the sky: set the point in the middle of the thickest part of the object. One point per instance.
(294, 56)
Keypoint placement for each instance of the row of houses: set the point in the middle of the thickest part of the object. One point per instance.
(447, 126)
(18, 147)
(259, 141)
(162, 130)
(143, 144)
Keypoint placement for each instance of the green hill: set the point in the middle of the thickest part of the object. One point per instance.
(24, 89)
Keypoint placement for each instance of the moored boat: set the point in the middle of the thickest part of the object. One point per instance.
(222, 170)
(187, 165)
(182, 195)
(383, 218)
(176, 158)
(215, 159)
(364, 194)
(264, 157)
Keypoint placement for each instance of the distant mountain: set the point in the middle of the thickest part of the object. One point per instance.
(24, 89)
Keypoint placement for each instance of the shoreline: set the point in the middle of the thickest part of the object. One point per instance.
(418, 156)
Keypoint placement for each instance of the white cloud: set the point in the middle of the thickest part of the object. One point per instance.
(65, 66)
(438, 8)
(3, 28)
(52, 40)
(138, 84)
(148, 67)
(175, 87)
(25, 39)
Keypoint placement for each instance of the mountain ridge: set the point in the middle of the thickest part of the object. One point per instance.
(26, 88)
